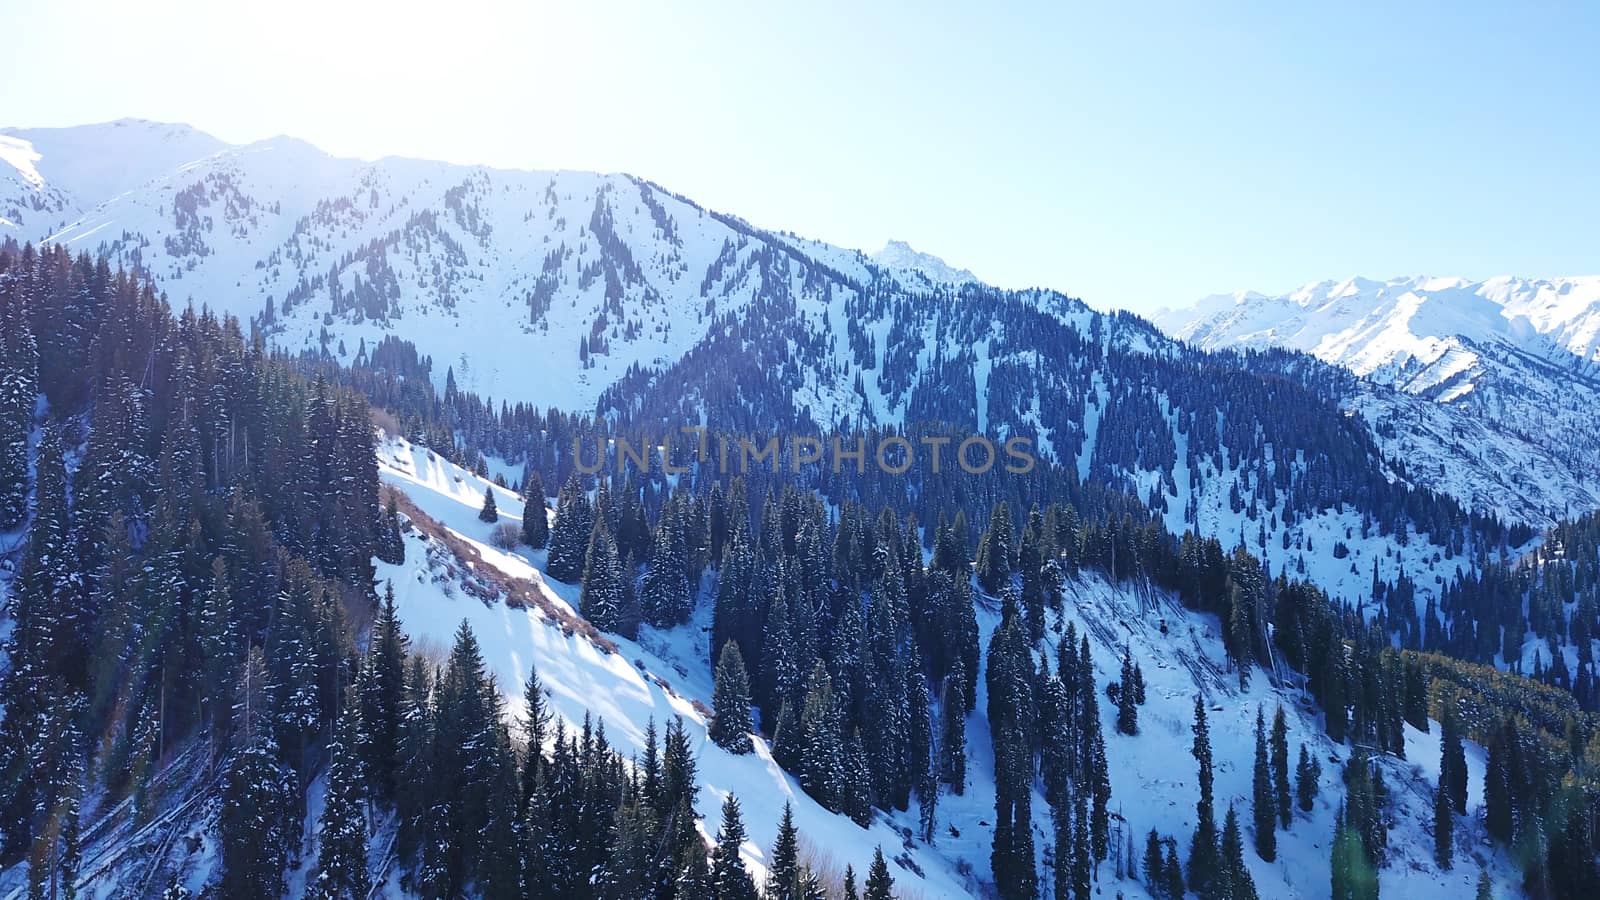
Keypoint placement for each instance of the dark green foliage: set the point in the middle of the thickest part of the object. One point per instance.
(1203, 863)
(1280, 766)
(730, 880)
(1153, 870)
(342, 830)
(1233, 880)
(1011, 726)
(489, 512)
(1443, 828)
(880, 885)
(1307, 774)
(602, 596)
(1453, 761)
(1353, 875)
(784, 877)
(569, 536)
(252, 828)
(993, 564)
(1127, 697)
(730, 703)
(535, 515)
(1264, 800)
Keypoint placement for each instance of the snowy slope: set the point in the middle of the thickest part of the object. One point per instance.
(1153, 777)
(625, 688)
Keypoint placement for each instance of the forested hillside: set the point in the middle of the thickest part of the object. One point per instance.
(209, 689)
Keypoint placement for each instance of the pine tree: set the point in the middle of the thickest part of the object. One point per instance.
(1011, 726)
(600, 598)
(535, 520)
(391, 544)
(1280, 765)
(1172, 871)
(1485, 886)
(251, 825)
(382, 696)
(1443, 827)
(994, 550)
(1153, 865)
(489, 513)
(1233, 878)
(1453, 759)
(19, 389)
(626, 873)
(850, 892)
(880, 886)
(953, 732)
(665, 594)
(783, 873)
(342, 830)
(1203, 864)
(1127, 702)
(1306, 776)
(730, 703)
(536, 719)
(730, 880)
(569, 536)
(1082, 866)
(1264, 801)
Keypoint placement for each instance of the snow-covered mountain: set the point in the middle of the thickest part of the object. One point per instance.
(1511, 361)
(899, 255)
(655, 308)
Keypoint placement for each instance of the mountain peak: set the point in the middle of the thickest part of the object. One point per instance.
(901, 255)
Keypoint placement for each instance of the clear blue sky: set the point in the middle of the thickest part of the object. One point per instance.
(1135, 155)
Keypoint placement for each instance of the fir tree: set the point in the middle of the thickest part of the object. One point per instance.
(382, 696)
(251, 825)
(391, 545)
(1203, 865)
(783, 872)
(1172, 871)
(880, 886)
(535, 520)
(730, 880)
(1153, 865)
(489, 513)
(1453, 760)
(1264, 801)
(535, 722)
(19, 389)
(569, 536)
(1082, 865)
(953, 732)
(1280, 765)
(600, 599)
(1306, 776)
(1011, 726)
(1127, 703)
(1233, 880)
(342, 830)
(994, 550)
(730, 703)
(1443, 827)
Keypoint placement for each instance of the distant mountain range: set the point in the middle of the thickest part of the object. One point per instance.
(1514, 362)
(653, 307)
